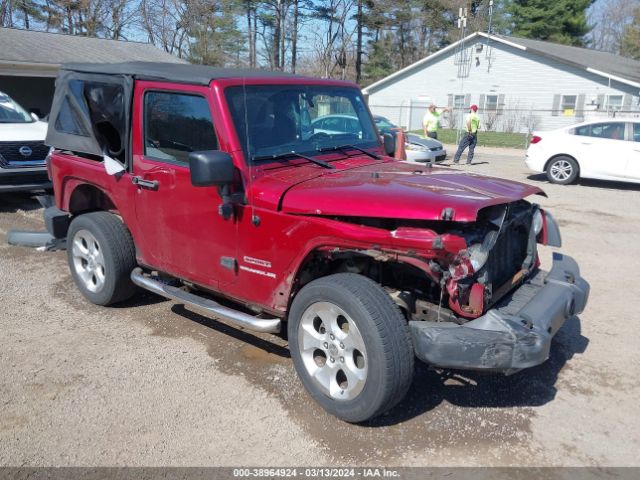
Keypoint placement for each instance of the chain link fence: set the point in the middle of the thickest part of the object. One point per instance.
(500, 127)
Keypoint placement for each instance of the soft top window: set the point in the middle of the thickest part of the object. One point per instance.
(103, 104)
(90, 114)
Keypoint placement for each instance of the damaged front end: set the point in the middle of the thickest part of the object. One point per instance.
(506, 309)
(513, 335)
(501, 253)
(473, 292)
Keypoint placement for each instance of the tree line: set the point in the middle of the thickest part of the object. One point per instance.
(361, 40)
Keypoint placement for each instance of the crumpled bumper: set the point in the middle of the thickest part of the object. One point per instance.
(514, 335)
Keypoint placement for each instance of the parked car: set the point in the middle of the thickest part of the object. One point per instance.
(22, 149)
(418, 149)
(207, 187)
(604, 149)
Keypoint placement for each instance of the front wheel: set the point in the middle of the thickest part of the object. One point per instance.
(562, 170)
(350, 346)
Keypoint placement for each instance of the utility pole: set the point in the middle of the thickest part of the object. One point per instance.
(359, 43)
(462, 26)
(487, 53)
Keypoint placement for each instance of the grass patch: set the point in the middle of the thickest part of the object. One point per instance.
(485, 139)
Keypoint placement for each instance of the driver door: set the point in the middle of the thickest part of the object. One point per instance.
(182, 231)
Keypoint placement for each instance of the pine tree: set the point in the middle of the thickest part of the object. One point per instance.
(559, 21)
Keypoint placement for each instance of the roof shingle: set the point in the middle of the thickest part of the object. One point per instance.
(33, 47)
(584, 57)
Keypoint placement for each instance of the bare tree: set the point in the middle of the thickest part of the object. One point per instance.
(294, 35)
(6, 13)
(610, 19)
(166, 24)
(333, 42)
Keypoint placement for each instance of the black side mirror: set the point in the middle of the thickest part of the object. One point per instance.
(211, 168)
(389, 141)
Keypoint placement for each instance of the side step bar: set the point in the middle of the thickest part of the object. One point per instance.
(204, 306)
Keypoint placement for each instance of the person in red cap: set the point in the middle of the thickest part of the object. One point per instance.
(472, 124)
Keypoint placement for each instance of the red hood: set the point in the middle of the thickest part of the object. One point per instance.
(386, 190)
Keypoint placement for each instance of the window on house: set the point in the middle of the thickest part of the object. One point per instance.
(491, 103)
(568, 102)
(614, 102)
(458, 101)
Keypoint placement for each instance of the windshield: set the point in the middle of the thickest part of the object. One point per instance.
(11, 112)
(271, 120)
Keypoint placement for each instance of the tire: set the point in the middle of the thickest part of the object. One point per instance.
(562, 170)
(101, 256)
(367, 336)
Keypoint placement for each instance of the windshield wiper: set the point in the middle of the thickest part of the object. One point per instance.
(344, 147)
(293, 153)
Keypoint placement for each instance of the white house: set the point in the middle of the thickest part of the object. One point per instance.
(518, 84)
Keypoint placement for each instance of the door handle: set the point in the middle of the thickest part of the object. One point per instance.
(586, 143)
(150, 184)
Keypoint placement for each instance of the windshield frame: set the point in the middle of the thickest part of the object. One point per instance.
(26, 116)
(351, 92)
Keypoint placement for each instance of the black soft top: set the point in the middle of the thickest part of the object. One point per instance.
(172, 72)
(91, 110)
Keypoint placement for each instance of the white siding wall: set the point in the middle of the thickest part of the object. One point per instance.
(527, 81)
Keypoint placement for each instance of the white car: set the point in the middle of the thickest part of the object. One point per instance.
(22, 149)
(604, 149)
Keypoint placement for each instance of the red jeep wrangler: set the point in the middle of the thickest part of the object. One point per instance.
(264, 198)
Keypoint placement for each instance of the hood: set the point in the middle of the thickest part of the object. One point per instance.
(23, 132)
(427, 142)
(394, 190)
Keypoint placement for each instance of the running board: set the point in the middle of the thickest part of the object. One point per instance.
(204, 306)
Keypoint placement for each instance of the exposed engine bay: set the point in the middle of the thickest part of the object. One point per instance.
(456, 287)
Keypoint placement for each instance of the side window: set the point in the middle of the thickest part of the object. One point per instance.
(636, 132)
(612, 131)
(353, 126)
(176, 124)
(70, 120)
(335, 124)
(102, 104)
(584, 130)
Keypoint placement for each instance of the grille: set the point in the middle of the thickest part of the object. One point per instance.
(509, 253)
(10, 152)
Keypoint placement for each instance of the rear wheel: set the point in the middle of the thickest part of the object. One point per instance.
(562, 170)
(101, 256)
(351, 346)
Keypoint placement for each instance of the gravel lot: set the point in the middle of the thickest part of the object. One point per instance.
(149, 383)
